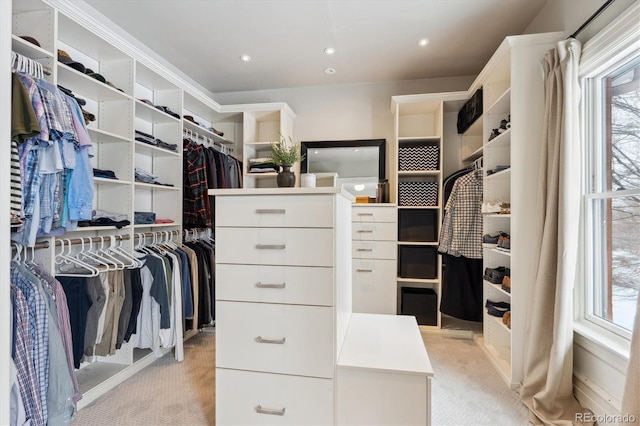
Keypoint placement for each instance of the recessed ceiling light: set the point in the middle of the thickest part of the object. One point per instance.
(330, 71)
(355, 149)
(245, 58)
(358, 187)
(423, 42)
(329, 50)
(315, 152)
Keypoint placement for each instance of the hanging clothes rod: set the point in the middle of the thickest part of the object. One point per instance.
(40, 245)
(155, 234)
(591, 18)
(73, 241)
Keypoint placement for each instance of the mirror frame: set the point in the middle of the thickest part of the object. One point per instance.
(380, 143)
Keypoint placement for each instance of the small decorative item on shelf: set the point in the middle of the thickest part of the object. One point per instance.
(285, 154)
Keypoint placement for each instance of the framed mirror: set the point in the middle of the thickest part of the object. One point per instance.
(355, 165)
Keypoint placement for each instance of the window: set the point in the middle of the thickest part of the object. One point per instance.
(611, 199)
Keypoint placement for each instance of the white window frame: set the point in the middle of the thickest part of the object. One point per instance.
(601, 55)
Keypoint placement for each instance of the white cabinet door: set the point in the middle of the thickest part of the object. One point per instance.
(275, 246)
(309, 211)
(287, 339)
(374, 286)
(251, 398)
(275, 284)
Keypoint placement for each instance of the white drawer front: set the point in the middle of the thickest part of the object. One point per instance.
(275, 284)
(312, 211)
(374, 286)
(288, 339)
(275, 246)
(376, 231)
(362, 213)
(374, 249)
(251, 398)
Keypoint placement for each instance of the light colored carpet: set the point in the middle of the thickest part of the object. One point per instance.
(466, 390)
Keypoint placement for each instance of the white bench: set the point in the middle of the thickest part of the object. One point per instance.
(384, 373)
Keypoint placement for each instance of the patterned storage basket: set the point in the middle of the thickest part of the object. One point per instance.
(418, 193)
(412, 158)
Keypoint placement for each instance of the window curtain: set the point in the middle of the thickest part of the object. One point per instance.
(547, 387)
(631, 395)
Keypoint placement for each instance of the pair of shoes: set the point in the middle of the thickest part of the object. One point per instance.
(493, 206)
(504, 243)
(496, 275)
(498, 168)
(497, 309)
(506, 319)
(494, 239)
(494, 134)
(505, 208)
(506, 284)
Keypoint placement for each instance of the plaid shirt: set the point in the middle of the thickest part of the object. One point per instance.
(23, 359)
(196, 208)
(38, 328)
(461, 233)
(60, 122)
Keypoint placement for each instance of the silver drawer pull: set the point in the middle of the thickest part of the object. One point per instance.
(271, 411)
(365, 214)
(271, 211)
(270, 246)
(364, 250)
(364, 270)
(365, 230)
(266, 285)
(259, 339)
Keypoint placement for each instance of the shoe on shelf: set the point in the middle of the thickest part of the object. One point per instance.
(497, 309)
(506, 319)
(489, 207)
(493, 239)
(494, 133)
(506, 284)
(505, 208)
(496, 275)
(503, 126)
(504, 243)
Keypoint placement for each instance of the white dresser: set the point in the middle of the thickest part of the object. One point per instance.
(375, 249)
(283, 303)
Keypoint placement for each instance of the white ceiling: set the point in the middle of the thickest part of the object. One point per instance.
(375, 40)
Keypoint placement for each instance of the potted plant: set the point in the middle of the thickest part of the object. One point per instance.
(285, 154)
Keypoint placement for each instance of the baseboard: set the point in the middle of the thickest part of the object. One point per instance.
(605, 407)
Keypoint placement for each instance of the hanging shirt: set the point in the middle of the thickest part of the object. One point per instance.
(461, 233)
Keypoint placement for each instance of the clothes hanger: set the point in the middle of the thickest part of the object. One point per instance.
(120, 251)
(70, 266)
(119, 265)
(93, 257)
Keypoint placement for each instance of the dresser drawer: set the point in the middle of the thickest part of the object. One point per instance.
(288, 339)
(376, 231)
(275, 246)
(374, 286)
(251, 398)
(275, 284)
(312, 211)
(361, 213)
(374, 249)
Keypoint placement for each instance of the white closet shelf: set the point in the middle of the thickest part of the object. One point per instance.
(260, 144)
(503, 252)
(500, 325)
(418, 243)
(157, 225)
(153, 115)
(154, 151)
(107, 181)
(409, 140)
(474, 155)
(500, 141)
(497, 287)
(95, 228)
(30, 50)
(501, 175)
(406, 281)
(89, 43)
(205, 132)
(502, 105)
(87, 86)
(154, 187)
(419, 207)
(103, 136)
(497, 216)
(262, 175)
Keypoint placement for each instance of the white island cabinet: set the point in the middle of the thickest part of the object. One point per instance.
(283, 303)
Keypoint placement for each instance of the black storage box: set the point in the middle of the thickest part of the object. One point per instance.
(470, 111)
(417, 262)
(421, 303)
(417, 225)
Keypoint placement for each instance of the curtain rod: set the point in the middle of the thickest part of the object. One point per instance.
(591, 18)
